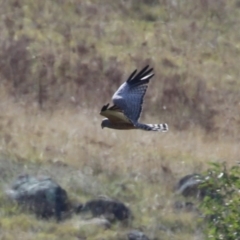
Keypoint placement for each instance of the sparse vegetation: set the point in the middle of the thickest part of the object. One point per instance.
(221, 207)
(60, 61)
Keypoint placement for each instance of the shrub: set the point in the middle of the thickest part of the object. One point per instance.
(221, 207)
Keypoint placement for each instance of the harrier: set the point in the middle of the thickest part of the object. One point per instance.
(128, 100)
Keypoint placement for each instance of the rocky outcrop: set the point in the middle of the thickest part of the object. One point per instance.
(40, 195)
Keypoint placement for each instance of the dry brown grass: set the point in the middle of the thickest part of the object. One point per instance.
(137, 167)
(61, 52)
(61, 61)
(74, 136)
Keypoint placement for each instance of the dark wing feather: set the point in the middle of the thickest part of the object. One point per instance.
(105, 107)
(137, 79)
(131, 76)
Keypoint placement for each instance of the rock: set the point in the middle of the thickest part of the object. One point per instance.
(136, 235)
(109, 208)
(40, 195)
(188, 186)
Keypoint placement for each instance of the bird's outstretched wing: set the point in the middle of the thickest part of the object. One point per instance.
(129, 96)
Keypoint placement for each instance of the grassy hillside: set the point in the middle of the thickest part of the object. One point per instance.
(60, 61)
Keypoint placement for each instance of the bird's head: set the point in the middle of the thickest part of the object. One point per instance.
(105, 123)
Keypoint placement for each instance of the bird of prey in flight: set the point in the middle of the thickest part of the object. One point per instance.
(127, 104)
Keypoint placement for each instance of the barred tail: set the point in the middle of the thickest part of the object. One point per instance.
(163, 127)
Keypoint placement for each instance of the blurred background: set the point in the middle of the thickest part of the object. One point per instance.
(76, 53)
(61, 61)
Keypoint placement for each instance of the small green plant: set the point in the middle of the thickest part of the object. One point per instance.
(221, 206)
